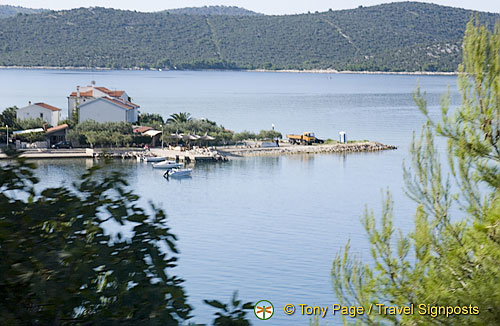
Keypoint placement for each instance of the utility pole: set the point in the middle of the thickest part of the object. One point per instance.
(162, 136)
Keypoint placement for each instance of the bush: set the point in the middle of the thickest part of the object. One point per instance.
(59, 266)
(244, 135)
(30, 123)
(269, 135)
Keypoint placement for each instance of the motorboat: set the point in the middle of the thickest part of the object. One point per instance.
(177, 173)
(167, 165)
(155, 159)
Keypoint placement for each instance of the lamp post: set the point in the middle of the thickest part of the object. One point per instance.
(7, 135)
(162, 136)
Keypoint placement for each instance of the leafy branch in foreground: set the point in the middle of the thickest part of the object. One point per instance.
(446, 261)
(233, 314)
(86, 254)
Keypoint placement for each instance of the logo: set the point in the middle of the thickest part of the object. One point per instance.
(263, 310)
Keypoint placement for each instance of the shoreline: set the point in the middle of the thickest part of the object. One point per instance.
(221, 153)
(310, 71)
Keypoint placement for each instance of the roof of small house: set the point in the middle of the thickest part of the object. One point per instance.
(142, 129)
(47, 106)
(58, 128)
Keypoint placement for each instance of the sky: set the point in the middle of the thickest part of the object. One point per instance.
(273, 7)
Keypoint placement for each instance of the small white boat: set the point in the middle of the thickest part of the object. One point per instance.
(167, 165)
(155, 159)
(178, 173)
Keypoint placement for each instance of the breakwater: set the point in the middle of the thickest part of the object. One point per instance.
(304, 149)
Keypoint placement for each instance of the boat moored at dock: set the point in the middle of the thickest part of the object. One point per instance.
(167, 165)
(155, 159)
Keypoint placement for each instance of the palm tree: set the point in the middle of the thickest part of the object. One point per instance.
(179, 117)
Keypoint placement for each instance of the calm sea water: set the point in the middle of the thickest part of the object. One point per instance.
(268, 227)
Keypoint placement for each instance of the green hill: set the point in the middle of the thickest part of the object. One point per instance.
(10, 11)
(404, 36)
(214, 10)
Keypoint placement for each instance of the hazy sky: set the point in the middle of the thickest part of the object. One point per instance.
(263, 6)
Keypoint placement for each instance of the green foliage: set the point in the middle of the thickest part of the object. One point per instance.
(449, 261)
(269, 135)
(154, 120)
(244, 135)
(184, 123)
(30, 137)
(60, 267)
(8, 117)
(407, 36)
(31, 123)
(262, 135)
(101, 134)
(213, 10)
(180, 117)
(10, 11)
(69, 122)
(232, 314)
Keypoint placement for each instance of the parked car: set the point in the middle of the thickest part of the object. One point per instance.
(62, 144)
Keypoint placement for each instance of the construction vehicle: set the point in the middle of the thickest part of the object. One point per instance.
(307, 138)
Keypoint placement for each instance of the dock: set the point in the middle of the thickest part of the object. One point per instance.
(123, 153)
(54, 153)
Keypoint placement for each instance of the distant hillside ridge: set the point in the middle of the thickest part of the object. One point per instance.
(402, 36)
(10, 11)
(214, 10)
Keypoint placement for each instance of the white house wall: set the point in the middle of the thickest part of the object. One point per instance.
(55, 118)
(102, 111)
(34, 111)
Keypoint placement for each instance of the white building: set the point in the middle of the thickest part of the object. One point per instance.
(102, 105)
(48, 113)
(106, 109)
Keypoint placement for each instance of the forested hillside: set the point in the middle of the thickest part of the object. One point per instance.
(214, 10)
(406, 36)
(9, 11)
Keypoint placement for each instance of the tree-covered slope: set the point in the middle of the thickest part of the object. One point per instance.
(214, 10)
(9, 11)
(392, 37)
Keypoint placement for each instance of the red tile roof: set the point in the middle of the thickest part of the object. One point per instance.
(54, 129)
(102, 89)
(122, 104)
(142, 129)
(46, 106)
(110, 93)
(132, 104)
(82, 94)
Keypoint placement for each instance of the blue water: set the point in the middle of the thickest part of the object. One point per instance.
(266, 226)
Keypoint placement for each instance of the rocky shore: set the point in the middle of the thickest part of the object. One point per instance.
(285, 149)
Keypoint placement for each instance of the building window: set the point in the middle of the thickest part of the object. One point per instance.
(41, 115)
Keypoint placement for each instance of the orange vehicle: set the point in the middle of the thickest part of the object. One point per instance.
(307, 138)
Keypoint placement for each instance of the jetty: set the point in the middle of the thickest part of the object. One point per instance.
(287, 149)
